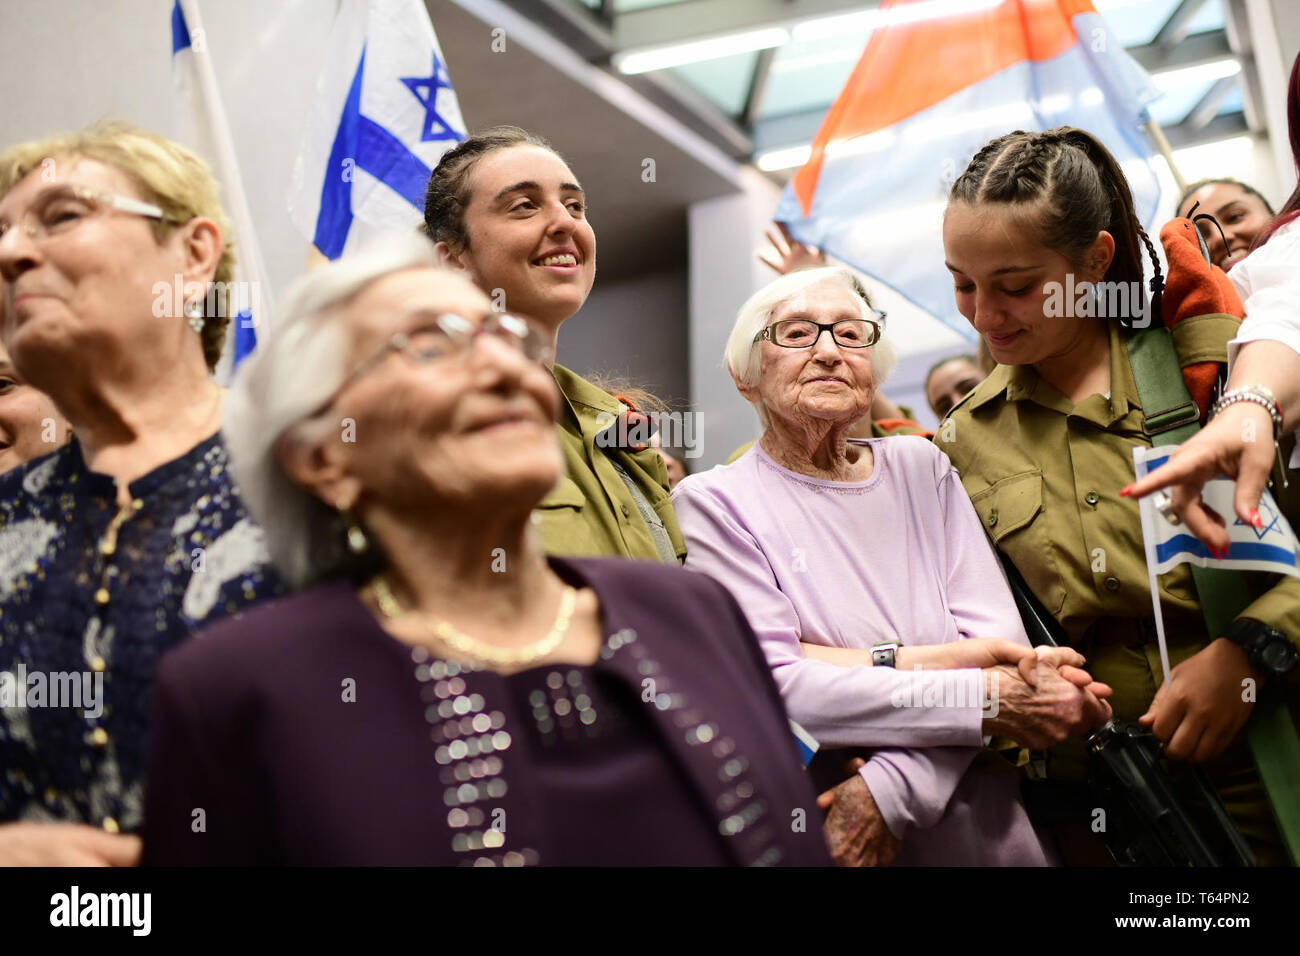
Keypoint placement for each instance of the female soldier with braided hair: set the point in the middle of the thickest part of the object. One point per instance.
(1045, 443)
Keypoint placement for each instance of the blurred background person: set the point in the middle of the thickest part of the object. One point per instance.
(841, 550)
(504, 208)
(1241, 211)
(949, 381)
(676, 467)
(125, 539)
(498, 715)
(30, 425)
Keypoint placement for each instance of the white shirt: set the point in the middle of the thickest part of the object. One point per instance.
(1268, 281)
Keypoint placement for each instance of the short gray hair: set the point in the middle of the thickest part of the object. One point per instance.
(278, 390)
(742, 353)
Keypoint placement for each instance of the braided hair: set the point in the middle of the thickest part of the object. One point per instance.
(1080, 189)
(448, 192)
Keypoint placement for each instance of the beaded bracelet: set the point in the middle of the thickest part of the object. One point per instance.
(1257, 394)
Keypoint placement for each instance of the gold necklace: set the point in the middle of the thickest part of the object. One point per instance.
(481, 651)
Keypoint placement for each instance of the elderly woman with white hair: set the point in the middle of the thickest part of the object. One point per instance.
(440, 692)
(862, 567)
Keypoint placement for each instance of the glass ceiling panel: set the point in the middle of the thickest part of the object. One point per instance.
(1210, 17)
(624, 6)
(1136, 22)
(1234, 102)
(725, 81)
(1174, 106)
(810, 75)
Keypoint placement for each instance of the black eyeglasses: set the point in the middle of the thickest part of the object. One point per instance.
(804, 333)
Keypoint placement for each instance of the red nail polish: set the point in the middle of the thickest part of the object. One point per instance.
(1256, 520)
(1125, 492)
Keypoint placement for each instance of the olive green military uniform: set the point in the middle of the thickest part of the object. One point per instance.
(610, 501)
(1044, 475)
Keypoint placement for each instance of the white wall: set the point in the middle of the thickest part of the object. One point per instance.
(636, 329)
(66, 64)
(725, 239)
(1275, 36)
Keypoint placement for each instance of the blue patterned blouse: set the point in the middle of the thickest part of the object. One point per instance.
(91, 596)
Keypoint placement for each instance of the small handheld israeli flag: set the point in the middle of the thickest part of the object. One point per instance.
(384, 113)
(1273, 548)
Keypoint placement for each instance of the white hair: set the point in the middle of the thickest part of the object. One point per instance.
(743, 353)
(278, 390)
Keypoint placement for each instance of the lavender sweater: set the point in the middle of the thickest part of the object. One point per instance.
(898, 557)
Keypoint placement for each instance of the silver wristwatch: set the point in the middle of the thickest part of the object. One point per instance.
(884, 654)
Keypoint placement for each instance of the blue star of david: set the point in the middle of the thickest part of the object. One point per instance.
(425, 89)
(1268, 516)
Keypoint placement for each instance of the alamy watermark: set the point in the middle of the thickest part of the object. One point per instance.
(684, 430)
(1104, 300)
(220, 299)
(81, 690)
(948, 688)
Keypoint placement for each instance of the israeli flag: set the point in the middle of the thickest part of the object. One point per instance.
(806, 742)
(202, 125)
(1272, 549)
(384, 114)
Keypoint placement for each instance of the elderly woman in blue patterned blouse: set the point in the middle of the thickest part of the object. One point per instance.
(114, 547)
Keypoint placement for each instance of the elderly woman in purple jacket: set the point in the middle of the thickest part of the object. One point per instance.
(848, 553)
(439, 692)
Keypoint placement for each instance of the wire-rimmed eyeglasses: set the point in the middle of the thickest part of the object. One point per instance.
(62, 208)
(450, 336)
(804, 333)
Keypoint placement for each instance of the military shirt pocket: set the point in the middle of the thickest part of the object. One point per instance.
(1010, 511)
(1009, 504)
(561, 523)
(566, 494)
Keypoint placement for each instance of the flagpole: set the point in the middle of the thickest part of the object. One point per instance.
(1145, 513)
(1158, 135)
(249, 251)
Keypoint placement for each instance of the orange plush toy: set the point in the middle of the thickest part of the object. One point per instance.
(1197, 295)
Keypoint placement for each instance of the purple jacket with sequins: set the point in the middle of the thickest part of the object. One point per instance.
(309, 736)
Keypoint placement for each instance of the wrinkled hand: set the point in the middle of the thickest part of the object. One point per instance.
(855, 831)
(1041, 714)
(1201, 709)
(1238, 443)
(788, 254)
(992, 651)
(65, 844)
(1069, 664)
